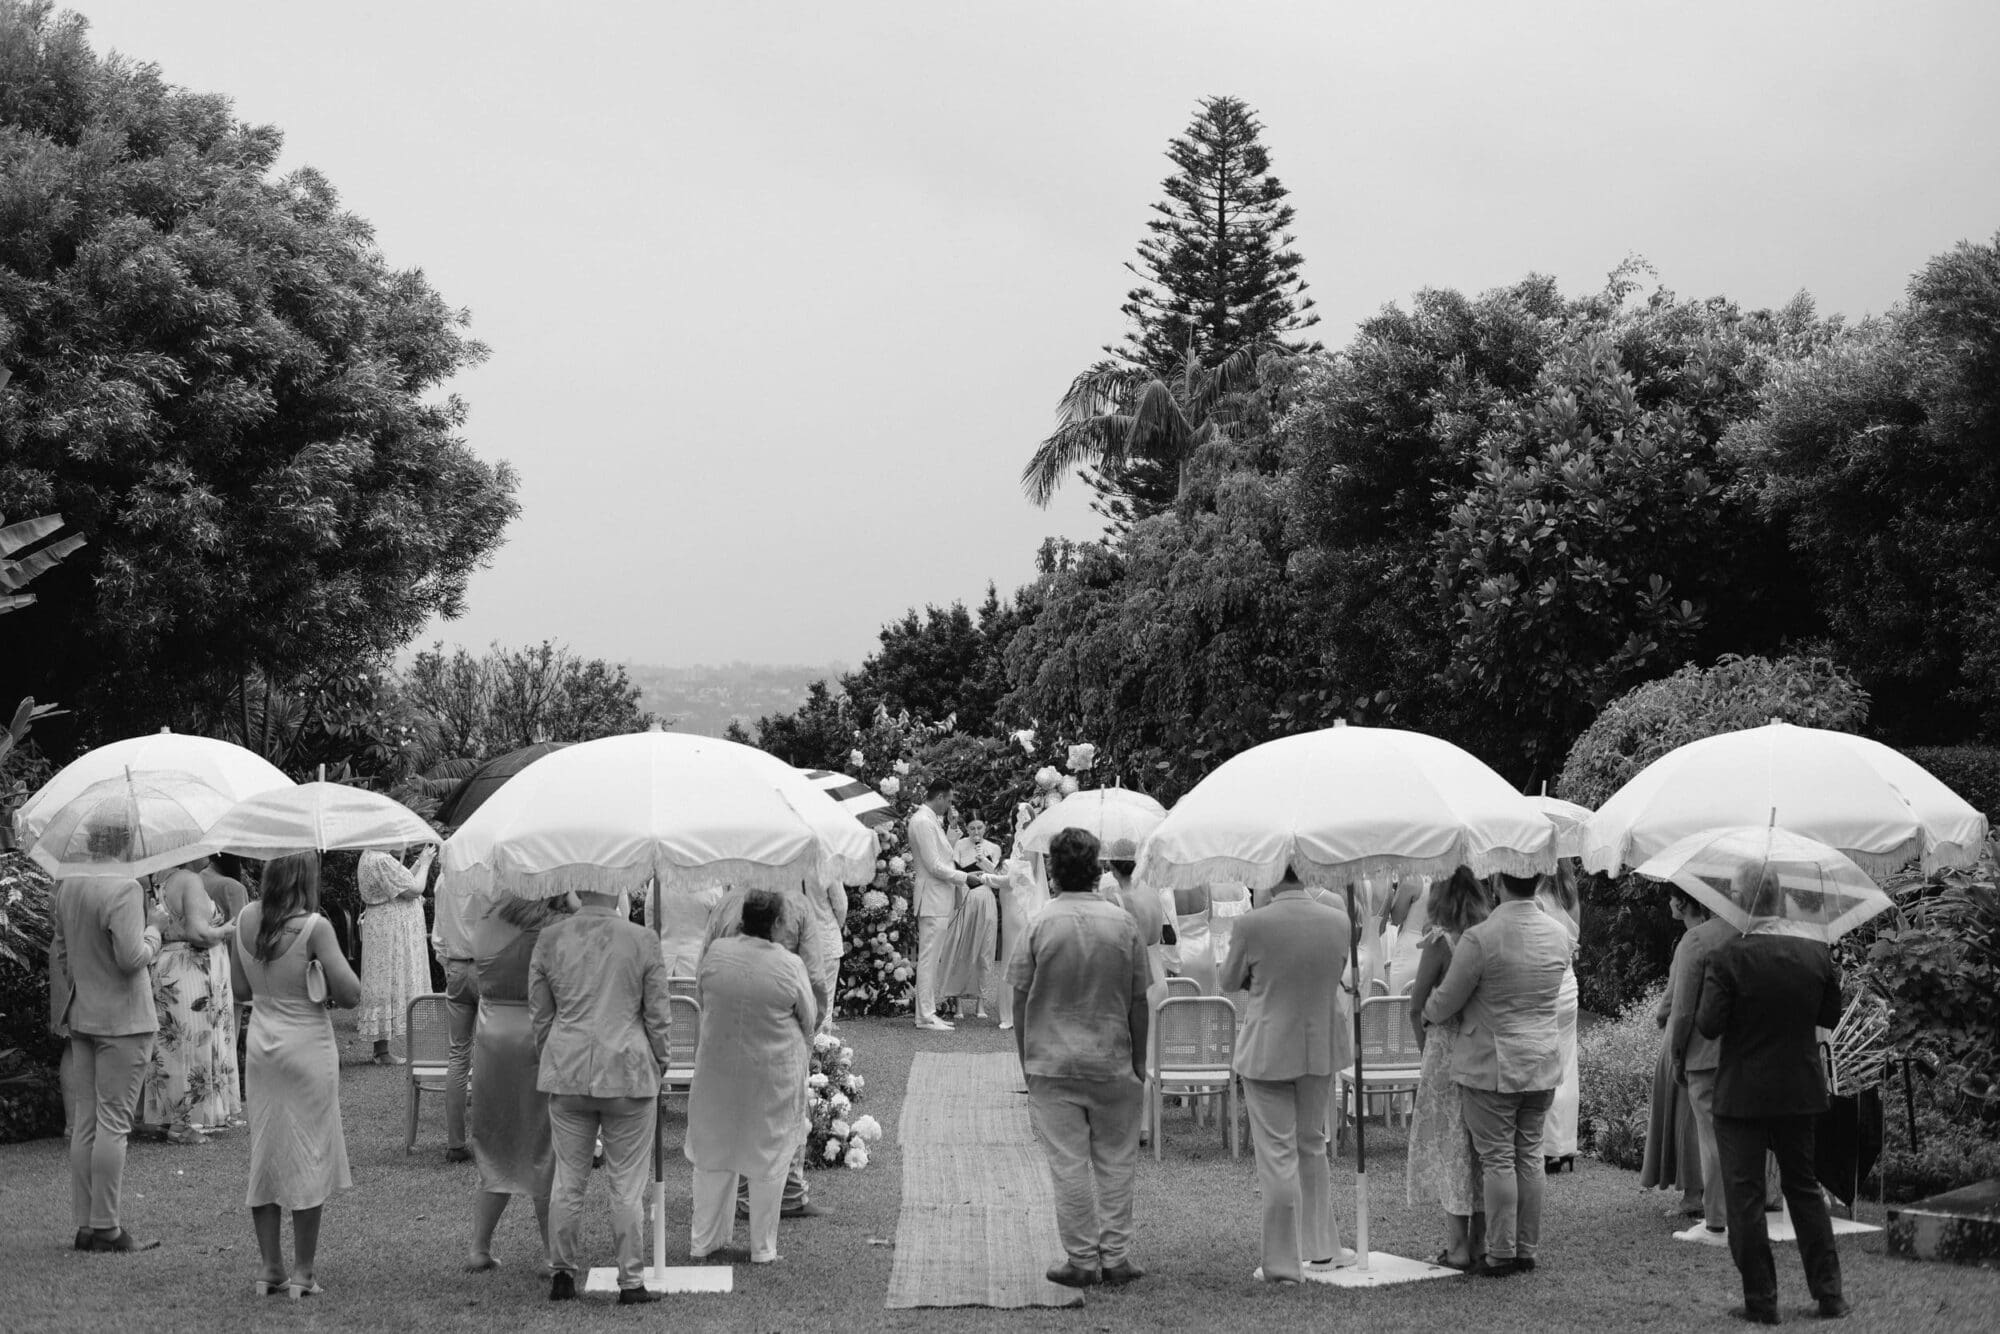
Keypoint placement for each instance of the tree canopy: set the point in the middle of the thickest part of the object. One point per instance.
(223, 385)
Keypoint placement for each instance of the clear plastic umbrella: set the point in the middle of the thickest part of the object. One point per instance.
(1113, 814)
(317, 817)
(131, 825)
(230, 769)
(1569, 820)
(1772, 879)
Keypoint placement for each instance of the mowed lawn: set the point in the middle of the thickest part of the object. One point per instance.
(390, 1258)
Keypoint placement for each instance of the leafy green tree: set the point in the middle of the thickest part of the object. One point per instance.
(223, 386)
(1220, 289)
(1876, 453)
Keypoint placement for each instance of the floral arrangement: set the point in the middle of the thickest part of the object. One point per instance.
(837, 1137)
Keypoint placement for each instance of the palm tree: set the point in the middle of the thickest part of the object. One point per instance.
(1115, 416)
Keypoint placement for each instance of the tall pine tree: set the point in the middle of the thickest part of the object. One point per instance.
(1220, 288)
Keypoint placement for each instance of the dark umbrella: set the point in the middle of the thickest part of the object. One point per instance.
(487, 779)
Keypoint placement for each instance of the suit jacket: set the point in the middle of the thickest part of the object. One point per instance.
(100, 949)
(1765, 997)
(939, 882)
(1289, 954)
(793, 931)
(597, 1000)
(1503, 982)
(1690, 1048)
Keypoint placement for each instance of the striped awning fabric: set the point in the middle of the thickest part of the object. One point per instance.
(858, 799)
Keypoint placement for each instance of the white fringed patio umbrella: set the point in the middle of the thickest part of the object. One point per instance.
(1569, 820)
(1342, 805)
(1859, 796)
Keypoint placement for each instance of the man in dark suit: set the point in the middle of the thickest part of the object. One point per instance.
(1294, 1038)
(1764, 996)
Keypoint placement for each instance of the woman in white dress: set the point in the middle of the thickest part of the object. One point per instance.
(828, 907)
(395, 969)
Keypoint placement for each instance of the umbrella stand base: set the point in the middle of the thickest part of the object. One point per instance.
(1383, 1271)
(1779, 1226)
(678, 1278)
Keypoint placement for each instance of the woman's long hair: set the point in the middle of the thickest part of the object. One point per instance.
(291, 887)
(1458, 904)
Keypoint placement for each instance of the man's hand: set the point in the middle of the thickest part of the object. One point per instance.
(974, 880)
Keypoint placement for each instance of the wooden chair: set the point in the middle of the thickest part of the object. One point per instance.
(1193, 1046)
(1391, 1061)
(683, 1040)
(427, 1048)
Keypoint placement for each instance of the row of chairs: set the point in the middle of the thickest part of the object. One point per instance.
(427, 1048)
(1194, 1047)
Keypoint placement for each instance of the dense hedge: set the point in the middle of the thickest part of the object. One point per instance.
(1971, 771)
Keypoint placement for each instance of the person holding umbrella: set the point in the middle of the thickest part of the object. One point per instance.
(103, 940)
(1764, 996)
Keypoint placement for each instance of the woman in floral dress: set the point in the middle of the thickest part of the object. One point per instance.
(191, 1077)
(394, 968)
(1441, 1168)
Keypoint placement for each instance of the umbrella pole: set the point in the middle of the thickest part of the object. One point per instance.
(1360, 1102)
(658, 904)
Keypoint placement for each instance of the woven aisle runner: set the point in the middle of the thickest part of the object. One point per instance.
(978, 1224)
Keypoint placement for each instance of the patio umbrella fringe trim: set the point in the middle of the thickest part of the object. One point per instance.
(1160, 871)
(589, 879)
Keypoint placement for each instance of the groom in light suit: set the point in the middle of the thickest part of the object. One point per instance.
(938, 886)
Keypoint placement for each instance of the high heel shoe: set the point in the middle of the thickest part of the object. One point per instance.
(295, 1289)
(270, 1287)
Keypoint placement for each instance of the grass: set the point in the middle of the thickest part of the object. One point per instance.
(392, 1246)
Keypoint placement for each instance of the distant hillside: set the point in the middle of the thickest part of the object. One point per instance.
(704, 699)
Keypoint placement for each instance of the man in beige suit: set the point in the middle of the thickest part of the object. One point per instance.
(102, 942)
(1288, 955)
(939, 884)
(1503, 982)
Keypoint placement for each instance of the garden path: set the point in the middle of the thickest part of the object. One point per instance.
(978, 1216)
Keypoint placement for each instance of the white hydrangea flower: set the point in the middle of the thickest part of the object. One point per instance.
(857, 759)
(1069, 787)
(840, 1130)
(840, 1104)
(832, 1151)
(822, 1041)
(874, 900)
(817, 1082)
(902, 768)
(859, 1084)
(857, 1155)
(1081, 757)
(867, 1129)
(1047, 776)
(846, 1056)
(897, 865)
(890, 786)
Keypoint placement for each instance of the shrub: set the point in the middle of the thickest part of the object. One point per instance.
(1629, 938)
(30, 1100)
(1939, 968)
(1615, 1063)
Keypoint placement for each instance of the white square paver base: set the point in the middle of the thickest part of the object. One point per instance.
(682, 1278)
(1382, 1271)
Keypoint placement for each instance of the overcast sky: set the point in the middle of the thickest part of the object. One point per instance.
(780, 297)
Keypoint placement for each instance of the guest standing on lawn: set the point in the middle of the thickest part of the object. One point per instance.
(1503, 986)
(102, 939)
(1294, 1036)
(1442, 1168)
(1079, 980)
(510, 1121)
(747, 1110)
(827, 905)
(298, 1153)
(1673, 1149)
(597, 998)
(191, 1078)
(394, 971)
(1559, 899)
(1694, 1060)
(451, 941)
(794, 932)
(1764, 998)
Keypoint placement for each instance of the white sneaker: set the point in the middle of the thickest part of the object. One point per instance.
(1257, 1274)
(1006, 1024)
(936, 1025)
(1702, 1234)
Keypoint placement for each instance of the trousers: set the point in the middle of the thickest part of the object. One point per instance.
(930, 945)
(106, 1074)
(715, 1214)
(1701, 1098)
(461, 998)
(1506, 1130)
(1089, 1131)
(626, 1126)
(1742, 1143)
(1288, 1136)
